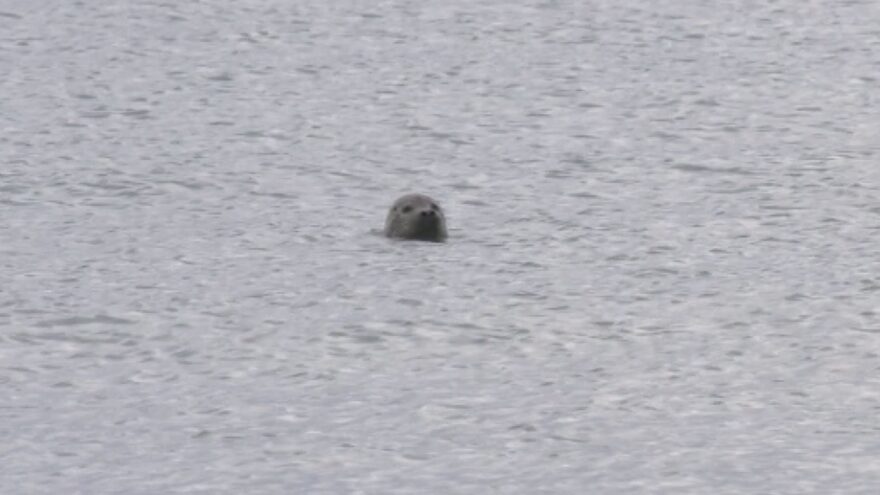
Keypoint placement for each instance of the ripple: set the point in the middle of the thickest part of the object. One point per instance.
(84, 320)
(702, 169)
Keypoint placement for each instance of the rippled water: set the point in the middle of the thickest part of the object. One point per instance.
(662, 272)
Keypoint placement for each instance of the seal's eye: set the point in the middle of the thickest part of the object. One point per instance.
(407, 209)
(434, 207)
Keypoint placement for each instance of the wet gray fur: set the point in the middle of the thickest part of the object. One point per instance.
(416, 217)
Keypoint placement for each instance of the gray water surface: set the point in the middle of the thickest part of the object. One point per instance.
(662, 277)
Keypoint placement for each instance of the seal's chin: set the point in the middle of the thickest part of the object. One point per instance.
(427, 229)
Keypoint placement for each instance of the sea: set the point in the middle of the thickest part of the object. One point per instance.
(662, 274)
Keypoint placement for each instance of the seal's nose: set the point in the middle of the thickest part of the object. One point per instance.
(428, 213)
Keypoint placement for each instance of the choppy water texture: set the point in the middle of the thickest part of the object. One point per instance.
(663, 272)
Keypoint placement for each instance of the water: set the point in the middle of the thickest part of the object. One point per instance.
(662, 272)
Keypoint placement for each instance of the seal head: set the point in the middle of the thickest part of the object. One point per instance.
(416, 217)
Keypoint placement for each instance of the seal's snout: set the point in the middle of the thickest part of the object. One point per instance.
(429, 213)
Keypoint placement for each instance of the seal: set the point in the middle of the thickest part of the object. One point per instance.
(416, 217)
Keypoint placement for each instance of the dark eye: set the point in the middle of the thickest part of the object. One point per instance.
(434, 207)
(406, 209)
